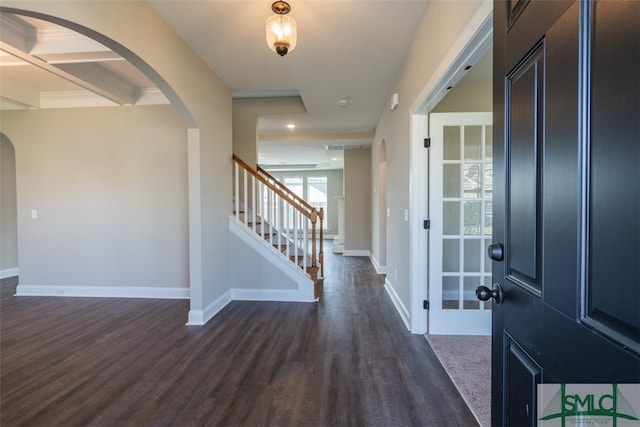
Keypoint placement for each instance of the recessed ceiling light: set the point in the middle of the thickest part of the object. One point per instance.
(291, 125)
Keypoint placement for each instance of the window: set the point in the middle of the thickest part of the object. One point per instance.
(295, 184)
(313, 189)
(317, 194)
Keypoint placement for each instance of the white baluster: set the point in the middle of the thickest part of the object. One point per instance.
(254, 204)
(244, 198)
(236, 191)
(305, 231)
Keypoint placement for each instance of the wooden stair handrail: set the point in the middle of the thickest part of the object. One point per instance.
(274, 188)
(302, 206)
(305, 204)
(297, 198)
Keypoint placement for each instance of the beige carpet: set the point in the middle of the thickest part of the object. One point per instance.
(467, 360)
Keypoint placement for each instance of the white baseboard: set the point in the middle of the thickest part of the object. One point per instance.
(9, 272)
(201, 317)
(400, 308)
(356, 252)
(102, 291)
(289, 295)
(380, 269)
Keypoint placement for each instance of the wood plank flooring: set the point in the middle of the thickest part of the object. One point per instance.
(345, 361)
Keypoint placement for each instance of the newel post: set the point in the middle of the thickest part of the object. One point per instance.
(314, 220)
(321, 254)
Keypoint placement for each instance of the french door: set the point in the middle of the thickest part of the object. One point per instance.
(460, 205)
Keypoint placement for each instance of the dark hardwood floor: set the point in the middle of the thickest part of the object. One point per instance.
(347, 360)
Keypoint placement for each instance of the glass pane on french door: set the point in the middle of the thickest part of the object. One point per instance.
(461, 190)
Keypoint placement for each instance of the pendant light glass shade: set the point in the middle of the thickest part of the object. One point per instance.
(281, 33)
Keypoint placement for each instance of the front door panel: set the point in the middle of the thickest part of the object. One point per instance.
(614, 260)
(525, 86)
(524, 375)
(566, 199)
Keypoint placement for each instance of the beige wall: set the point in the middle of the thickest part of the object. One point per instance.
(245, 132)
(8, 209)
(442, 24)
(467, 97)
(357, 201)
(262, 273)
(110, 189)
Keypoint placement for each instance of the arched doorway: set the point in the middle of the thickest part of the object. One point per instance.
(197, 100)
(8, 207)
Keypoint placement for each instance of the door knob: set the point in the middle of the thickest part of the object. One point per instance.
(496, 251)
(485, 294)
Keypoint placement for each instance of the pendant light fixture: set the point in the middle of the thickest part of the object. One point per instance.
(281, 29)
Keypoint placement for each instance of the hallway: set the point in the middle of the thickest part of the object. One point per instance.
(347, 360)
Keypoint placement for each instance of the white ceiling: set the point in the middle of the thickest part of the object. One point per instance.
(350, 50)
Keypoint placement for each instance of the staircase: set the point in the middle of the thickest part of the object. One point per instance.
(292, 227)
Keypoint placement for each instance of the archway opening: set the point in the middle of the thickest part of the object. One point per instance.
(103, 193)
(8, 210)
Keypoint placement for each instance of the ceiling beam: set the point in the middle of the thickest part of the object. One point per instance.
(17, 32)
(99, 76)
(19, 100)
(117, 97)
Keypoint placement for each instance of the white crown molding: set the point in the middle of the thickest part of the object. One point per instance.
(62, 40)
(152, 96)
(73, 99)
(10, 104)
(85, 98)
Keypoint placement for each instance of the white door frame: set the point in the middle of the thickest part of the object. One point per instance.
(462, 320)
(473, 43)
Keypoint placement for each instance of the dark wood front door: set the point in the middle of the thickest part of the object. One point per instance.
(567, 200)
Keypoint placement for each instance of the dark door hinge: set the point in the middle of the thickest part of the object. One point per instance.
(425, 304)
(427, 142)
(427, 224)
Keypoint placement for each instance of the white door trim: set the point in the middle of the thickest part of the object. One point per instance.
(460, 321)
(473, 43)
